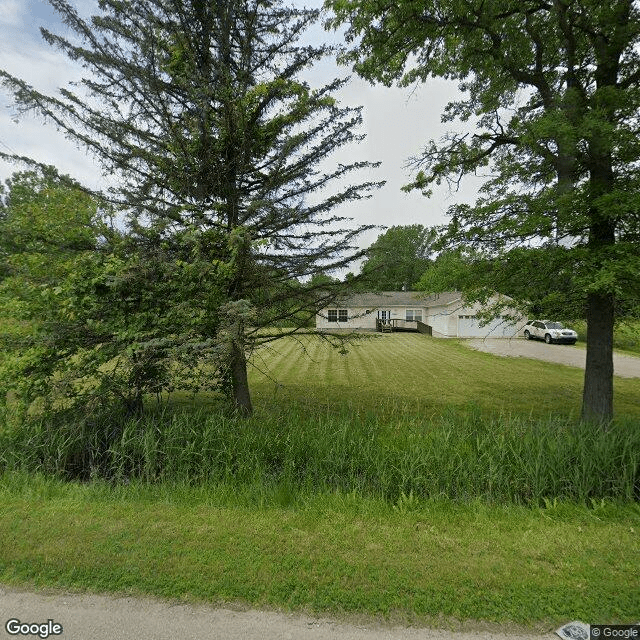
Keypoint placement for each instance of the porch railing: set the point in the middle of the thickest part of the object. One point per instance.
(398, 324)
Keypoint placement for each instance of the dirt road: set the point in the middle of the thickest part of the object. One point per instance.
(574, 356)
(93, 617)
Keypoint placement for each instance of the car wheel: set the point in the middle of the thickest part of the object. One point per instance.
(572, 342)
(547, 338)
(527, 335)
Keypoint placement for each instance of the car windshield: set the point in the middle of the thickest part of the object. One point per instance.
(554, 325)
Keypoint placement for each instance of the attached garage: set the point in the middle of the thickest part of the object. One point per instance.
(469, 327)
(439, 322)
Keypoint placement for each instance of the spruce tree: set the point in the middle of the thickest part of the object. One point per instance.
(221, 154)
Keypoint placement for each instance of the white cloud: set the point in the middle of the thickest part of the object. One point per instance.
(46, 70)
(40, 66)
(11, 12)
(33, 138)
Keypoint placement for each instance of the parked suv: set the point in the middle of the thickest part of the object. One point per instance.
(549, 332)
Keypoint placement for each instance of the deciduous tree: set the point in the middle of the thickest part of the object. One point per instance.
(397, 259)
(552, 88)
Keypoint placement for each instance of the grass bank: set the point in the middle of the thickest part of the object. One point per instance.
(398, 415)
(419, 561)
(626, 334)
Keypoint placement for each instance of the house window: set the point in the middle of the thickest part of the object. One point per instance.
(414, 314)
(337, 315)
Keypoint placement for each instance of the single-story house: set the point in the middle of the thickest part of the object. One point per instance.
(444, 314)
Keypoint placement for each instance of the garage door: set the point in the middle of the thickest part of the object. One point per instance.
(469, 327)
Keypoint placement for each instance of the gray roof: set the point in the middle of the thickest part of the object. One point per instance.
(399, 299)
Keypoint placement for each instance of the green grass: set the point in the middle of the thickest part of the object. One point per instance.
(424, 376)
(429, 562)
(412, 479)
(500, 460)
(355, 422)
(626, 335)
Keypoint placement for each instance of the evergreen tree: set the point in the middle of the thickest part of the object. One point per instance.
(221, 152)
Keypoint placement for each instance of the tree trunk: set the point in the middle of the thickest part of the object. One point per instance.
(240, 382)
(597, 398)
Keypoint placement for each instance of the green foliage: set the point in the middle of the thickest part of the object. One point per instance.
(48, 228)
(322, 280)
(536, 281)
(396, 260)
(450, 271)
(46, 221)
(95, 318)
(551, 93)
(218, 146)
(395, 414)
(457, 457)
(626, 335)
(369, 469)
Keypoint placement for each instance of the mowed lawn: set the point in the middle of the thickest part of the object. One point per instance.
(424, 375)
(436, 564)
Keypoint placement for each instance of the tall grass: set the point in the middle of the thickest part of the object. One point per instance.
(391, 454)
(626, 334)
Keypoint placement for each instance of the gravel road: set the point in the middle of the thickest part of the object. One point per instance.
(97, 617)
(573, 356)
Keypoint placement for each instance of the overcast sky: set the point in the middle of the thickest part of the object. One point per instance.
(398, 122)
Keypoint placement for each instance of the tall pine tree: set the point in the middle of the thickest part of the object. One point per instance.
(221, 153)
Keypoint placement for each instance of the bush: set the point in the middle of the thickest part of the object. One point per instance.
(626, 334)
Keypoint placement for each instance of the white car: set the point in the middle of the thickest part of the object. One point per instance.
(549, 332)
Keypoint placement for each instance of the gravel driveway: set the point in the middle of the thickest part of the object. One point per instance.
(99, 617)
(574, 356)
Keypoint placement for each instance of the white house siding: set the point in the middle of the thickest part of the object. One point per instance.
(399, 313)
(444, 313)
(438, 319)
(356, 319)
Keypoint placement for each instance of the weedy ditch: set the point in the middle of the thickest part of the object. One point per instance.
(397, 456)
